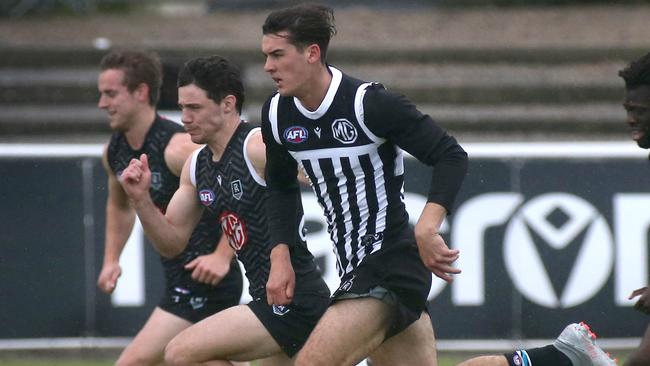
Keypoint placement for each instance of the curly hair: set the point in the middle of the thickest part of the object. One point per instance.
(637, 73)
(216, 75)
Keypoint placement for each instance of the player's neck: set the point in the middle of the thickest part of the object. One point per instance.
(142, 122)
(222, 137)
(317, 89)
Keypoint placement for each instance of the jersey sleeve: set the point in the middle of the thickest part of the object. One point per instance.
(394, 118)
(282, 186)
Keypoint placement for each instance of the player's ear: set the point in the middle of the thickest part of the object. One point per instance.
(313, 53)
(229, 103)
(142, 92)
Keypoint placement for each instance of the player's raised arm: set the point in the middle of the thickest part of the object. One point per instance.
(169, 232)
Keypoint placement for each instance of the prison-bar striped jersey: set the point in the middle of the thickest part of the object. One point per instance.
(351, 150)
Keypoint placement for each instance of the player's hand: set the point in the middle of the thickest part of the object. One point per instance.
(210, 268)
(643, 304)
(108, 277)
(436, 255)
(136, 178)
(282, 279)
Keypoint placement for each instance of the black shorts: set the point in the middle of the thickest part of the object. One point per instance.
(291, 325)
(396, 276)
(198, 301)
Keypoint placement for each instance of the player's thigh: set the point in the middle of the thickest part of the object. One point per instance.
(347, 332)
(233, 334)
(492, 360)
(415, 345)
(149, 344)
(641, 355)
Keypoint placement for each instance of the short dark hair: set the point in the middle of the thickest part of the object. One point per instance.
(637, 73)
(305, 24)
(216, 75)
(138, 67)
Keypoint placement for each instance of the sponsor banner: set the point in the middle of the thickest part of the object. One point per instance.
(544, 242)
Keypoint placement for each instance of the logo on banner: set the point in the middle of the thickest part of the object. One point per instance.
(572, 232)
(558, 249)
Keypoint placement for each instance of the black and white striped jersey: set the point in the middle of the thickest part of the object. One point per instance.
(232, 191)
(164, 184)
(351, 150)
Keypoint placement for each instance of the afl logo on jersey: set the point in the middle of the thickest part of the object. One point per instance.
(234, 229)
(296, 134)
(344, 131)
(206, 196)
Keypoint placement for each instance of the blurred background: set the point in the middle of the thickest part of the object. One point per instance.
(530, 87)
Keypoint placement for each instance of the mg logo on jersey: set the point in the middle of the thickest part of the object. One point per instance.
(156, 180)
(206, 196)
(234, 229)
(344, 131)
(296, 134)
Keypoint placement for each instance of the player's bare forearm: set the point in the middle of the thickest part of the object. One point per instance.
(166, 239)
(434, 252)
(282, 278)
(212, 268)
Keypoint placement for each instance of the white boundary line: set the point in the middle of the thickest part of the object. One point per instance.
(493, 150)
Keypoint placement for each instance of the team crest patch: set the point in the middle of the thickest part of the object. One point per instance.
(296, 134)
(347, 285)
(344, 131)
(206, 196)
(156, 180)
(237, 189)
(198, 302)
(280, 309)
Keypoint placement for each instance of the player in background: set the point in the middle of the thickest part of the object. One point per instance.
(637, 105)
(201, 277)
(225, 179)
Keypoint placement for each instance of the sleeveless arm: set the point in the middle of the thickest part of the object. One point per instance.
(179, 148)
(120, 218)
(170, 232)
